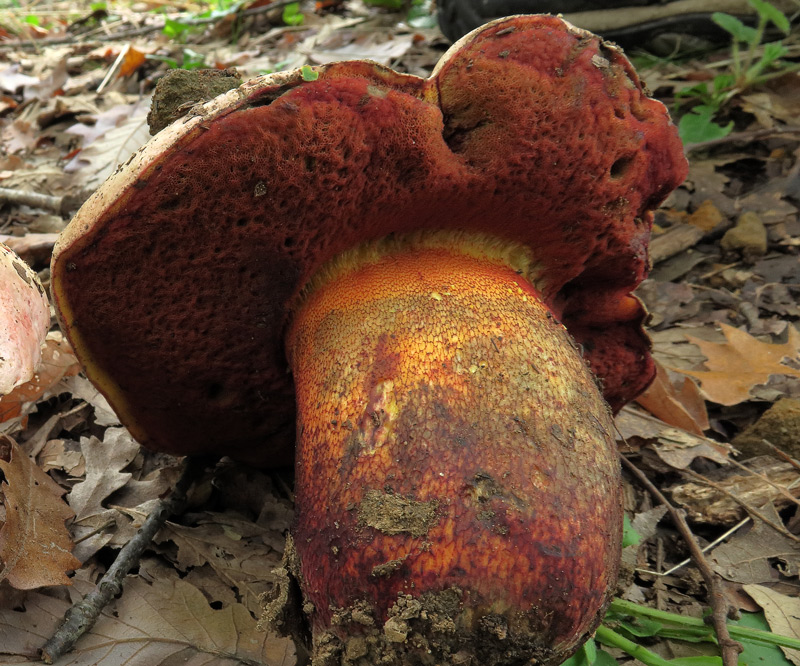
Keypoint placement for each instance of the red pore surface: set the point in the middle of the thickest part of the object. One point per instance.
(178, 293)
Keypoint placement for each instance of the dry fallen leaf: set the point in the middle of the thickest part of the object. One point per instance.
(131, 61)
(18, 136)
(644, 524)
(12, 80)
(97, 161)
(685, 409)
(233, 548)
(747, 558)
(782, 613)
(736, 366)
(169, 622)
(34, 543)
(676, 447)
(81, 388)
(706, 504)
(153, 486)
(679, 448)
(55, 455)
(104, 460)
(32, 246)
(57, 362)
(362, 47)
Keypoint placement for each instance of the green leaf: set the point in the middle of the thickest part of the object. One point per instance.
(170, 62)
(697, 90)
(388, 4)
(605, 659)
(735, 27)
(710, 96)
(292, 14)
(771, 13)
(590, 650)
(775, 50)
(193, 60)
(585, 656)
(630, 537)
(698, 126)
(421, 21)
(308, 73)
(577, 659)
(772, 52)
(173, 29)
(756, 654)
(722, 82)
(30, 19)
(421, 14)
(701, 660)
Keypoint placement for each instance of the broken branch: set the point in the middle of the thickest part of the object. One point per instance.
(82, 616)
(721, 608)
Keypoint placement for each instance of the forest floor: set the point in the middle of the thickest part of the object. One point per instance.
(717, 432)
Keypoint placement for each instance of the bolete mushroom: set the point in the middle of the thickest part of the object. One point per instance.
(394, 255)
(24, 320)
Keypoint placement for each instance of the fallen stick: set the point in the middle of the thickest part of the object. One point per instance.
(82, 616)
(720, 606)
(64, 205)
(674, 240)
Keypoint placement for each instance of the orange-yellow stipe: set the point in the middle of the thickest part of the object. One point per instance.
(450, 441)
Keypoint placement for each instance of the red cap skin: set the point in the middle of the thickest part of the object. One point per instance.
(176, 281)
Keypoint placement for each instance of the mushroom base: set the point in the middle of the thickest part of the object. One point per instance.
(457, 484)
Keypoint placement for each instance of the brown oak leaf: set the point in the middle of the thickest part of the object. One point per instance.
(169, 622)
(684, 409)
(736, 366)
(35, 546)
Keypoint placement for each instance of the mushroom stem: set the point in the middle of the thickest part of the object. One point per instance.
(455, 467)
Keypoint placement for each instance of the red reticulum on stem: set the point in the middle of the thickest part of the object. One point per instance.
(452, 447)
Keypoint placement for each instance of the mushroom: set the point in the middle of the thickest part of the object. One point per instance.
(24, 320)
(396, 256)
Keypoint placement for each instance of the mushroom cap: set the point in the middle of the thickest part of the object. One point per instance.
(176, 280)
(24, 320)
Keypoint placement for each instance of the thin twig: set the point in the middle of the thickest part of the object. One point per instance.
(111, 522)
(781, 489)
(782, 454)
(138, 32)
(720, 606)
(82, 616)
(706, 549)
(753, 135)
(750, 509)
(60, 205)
(712, 273)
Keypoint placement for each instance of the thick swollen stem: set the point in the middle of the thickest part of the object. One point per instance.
(457, 485)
